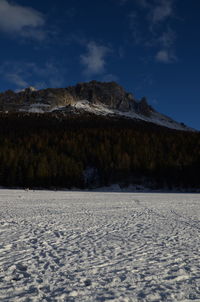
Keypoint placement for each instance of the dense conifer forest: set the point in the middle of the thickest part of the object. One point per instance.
(45, 151)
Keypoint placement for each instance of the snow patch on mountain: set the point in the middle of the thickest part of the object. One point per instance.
(100, 109)
(159, 119)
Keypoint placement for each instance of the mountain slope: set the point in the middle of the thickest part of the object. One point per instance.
(97, 98)
(90, 151)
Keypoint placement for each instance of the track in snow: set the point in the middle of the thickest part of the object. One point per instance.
(74, 246)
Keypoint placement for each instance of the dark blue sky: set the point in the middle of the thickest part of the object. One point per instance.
(151, 47)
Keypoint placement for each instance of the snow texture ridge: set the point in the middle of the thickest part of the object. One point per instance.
(80, 246)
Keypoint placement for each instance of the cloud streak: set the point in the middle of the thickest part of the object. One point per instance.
(161, 11)
(165, 56)
(21, 20)
(150, 26)
(94, 60)
(25, 74)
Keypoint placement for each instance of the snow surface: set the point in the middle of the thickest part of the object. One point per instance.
(90, 246)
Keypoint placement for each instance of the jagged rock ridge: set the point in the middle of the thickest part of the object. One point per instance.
(93, 97)
(112, 95)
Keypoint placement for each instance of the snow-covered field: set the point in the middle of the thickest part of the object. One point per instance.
(79, 246)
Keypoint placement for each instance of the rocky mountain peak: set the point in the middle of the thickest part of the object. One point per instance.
(29, 90)
(143, 107)
(108, 93)
(100, 98)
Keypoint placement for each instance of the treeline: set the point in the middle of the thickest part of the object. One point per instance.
(89, 151)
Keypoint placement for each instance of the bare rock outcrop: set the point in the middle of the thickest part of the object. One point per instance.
(109, 94)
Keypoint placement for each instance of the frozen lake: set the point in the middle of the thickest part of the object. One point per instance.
(75, 246)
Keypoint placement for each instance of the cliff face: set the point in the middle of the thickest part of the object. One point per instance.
(111, 95)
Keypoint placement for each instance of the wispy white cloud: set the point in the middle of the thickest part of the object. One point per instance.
(167, 38)
(21, 20)
(161, 11)
(157, 10)
(16, 79)
(151, 27)
(166, 52)
(165, 56)
(25, 74)
(94, 60)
